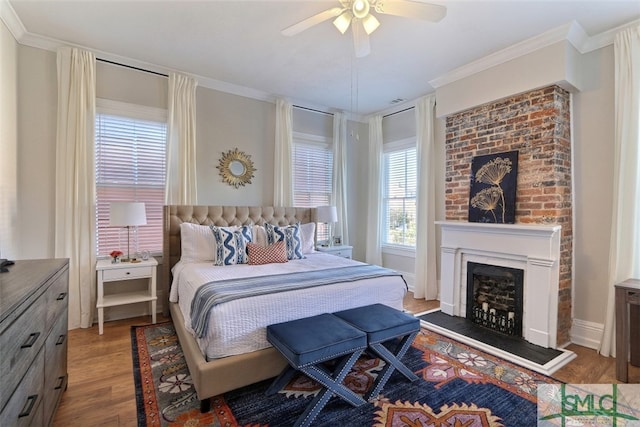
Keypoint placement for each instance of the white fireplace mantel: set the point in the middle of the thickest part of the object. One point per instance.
(530, 247)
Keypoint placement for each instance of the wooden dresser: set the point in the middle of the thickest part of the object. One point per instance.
(33, 341)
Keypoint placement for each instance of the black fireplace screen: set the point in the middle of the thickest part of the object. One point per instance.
(494, 297)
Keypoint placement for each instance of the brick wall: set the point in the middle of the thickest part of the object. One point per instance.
(537, 124)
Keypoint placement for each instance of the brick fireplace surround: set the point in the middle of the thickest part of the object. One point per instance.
(537, 124)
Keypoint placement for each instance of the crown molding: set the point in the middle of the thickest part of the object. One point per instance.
(571, 32)
(524, 47)
(234, 89)
(10, 18)
(396, 108)
(606, 38)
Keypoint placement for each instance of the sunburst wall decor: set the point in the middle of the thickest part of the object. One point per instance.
(236, 168)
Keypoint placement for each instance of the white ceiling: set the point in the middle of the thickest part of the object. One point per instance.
(237, 45)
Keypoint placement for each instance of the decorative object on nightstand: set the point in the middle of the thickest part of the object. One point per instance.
(127, 214)
(116, 256)
(341, 251)
(109, 272)
(327, 215)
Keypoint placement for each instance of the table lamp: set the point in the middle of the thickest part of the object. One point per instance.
(327, 215)
(127, 214)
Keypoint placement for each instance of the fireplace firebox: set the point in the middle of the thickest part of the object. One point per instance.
(495, 297)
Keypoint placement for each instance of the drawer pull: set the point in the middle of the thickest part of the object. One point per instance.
(28, 406)
(128, 272)
(31, 340)
(60, 339)
(60, 382)
(61, 296)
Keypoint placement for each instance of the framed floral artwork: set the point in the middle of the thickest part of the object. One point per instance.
(493, 188)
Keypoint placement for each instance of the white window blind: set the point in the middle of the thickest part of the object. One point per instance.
(130, 167)
(400, 174)
(312, 177)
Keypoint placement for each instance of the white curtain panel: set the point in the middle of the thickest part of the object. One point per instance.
(426, 285)
(283, 170)
(624, 253)
(181, 184)
(75, 180)
(339, 195)
(374, 215)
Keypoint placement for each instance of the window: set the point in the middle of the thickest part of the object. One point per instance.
(312, 163)
(130, 166)
(399, 198)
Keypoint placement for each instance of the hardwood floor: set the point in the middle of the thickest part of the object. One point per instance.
(101, 390)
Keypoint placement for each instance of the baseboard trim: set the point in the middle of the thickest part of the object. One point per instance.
(587, 334)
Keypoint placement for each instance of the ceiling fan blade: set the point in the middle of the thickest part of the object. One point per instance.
(313, 20)
(361, 44)
(411, 9)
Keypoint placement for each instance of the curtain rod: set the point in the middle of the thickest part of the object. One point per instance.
(132, 67)
(398, 112)
(311, 109)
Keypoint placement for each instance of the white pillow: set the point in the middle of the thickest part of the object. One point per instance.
(307, 235)
(259, 236)
(198, 242)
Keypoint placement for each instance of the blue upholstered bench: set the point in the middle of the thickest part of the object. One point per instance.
(306, 344)
(381, 324)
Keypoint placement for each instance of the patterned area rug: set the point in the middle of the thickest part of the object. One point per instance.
(459, 386)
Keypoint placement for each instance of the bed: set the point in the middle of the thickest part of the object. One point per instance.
(216, 366)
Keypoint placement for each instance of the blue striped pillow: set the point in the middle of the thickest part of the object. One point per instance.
(291, 236)
(231, 246)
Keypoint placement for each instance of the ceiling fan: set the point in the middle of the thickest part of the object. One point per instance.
(357, 13)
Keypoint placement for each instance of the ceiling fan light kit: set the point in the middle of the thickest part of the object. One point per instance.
(343, 21)
(370, 23)
(358, 15)
(360, 8)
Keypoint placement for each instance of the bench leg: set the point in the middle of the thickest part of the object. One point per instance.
(282, 380)
(392, 362)
(332, 383)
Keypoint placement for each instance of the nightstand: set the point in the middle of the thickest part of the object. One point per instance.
(341, 251)
(110, 272)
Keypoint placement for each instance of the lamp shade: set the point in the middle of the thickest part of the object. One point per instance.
(327, 214)
(125, 214)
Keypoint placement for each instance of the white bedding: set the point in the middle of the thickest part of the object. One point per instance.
(239, 326)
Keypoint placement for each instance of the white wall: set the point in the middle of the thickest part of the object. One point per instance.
(554, 64)
(37, 115)
(9, 247)
(225, 122)
(593, 126)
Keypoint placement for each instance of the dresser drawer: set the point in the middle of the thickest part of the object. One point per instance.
(25, 406)
(20, 343)
(55, 380)
(126, 273)
(57, 297)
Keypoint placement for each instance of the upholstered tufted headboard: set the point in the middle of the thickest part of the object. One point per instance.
(174, 215)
